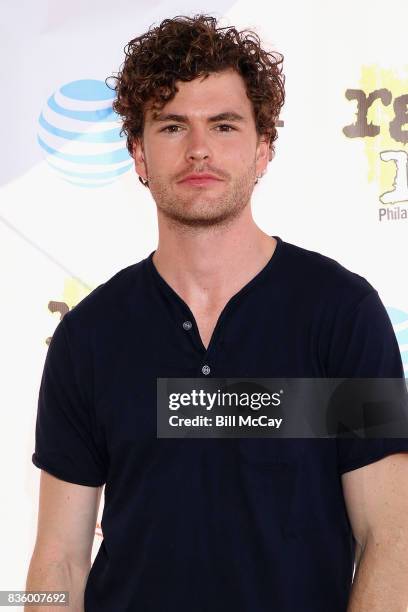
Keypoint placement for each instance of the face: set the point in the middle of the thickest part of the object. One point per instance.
(207, 129)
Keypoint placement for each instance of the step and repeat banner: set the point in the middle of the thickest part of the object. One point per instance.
(72, 212)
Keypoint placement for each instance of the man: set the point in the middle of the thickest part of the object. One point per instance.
(214, 524)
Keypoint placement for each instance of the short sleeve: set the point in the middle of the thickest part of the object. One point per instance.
(65, 441)
(364, 346)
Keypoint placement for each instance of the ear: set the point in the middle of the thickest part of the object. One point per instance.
(263, 154)
(139, 157)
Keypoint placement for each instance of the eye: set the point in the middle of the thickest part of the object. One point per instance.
(171, 129)
(224, 125)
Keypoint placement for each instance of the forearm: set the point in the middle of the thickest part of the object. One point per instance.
(381, 579)
(46, 574)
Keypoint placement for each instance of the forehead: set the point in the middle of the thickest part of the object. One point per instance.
(209, 96)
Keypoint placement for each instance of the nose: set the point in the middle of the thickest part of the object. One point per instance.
(197, 145)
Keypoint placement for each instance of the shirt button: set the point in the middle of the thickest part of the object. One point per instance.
(187, 325)
(205, 369)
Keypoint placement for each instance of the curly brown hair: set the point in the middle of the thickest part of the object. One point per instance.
(184, 48)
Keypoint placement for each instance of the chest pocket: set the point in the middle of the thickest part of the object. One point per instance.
(264, 452)
(287, 476)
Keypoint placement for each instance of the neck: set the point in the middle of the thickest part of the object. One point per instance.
(206, 266)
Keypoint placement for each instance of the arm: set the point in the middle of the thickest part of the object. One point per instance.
(376, 497)
(62, 553)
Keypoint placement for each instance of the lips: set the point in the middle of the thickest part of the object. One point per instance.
(200, 179)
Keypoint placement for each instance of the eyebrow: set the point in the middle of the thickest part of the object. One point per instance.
(225, 116)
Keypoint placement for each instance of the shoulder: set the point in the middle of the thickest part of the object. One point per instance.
(324, 278)
(349, 321)
(109, 300)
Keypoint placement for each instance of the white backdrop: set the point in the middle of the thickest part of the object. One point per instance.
(63, 231)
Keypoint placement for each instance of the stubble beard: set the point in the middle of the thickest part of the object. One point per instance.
(198, 210)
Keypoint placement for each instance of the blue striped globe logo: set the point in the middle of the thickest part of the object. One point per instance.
(79, 133)
(399, 320)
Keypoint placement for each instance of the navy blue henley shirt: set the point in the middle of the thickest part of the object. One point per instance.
(209, 525)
